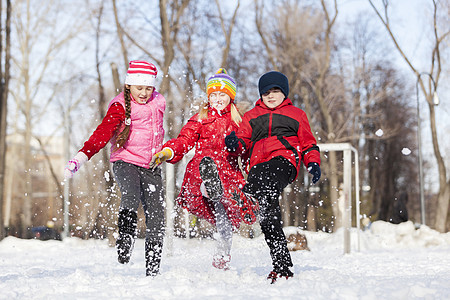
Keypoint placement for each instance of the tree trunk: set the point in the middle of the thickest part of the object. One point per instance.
(27, 158)
(27, 155)
(4, 89)
(3, 108)
(439, 34)
(442, 210)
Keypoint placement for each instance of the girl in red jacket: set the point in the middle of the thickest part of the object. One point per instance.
(277, 137)
(134, 126)
(213, 181)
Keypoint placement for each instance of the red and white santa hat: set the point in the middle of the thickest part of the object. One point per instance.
(141, 72)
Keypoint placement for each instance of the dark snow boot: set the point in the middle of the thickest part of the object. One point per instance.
(153, 253)
(249, 208)
(283, 273)
(211, 179)
(127, 224)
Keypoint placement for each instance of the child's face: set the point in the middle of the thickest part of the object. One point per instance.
(141, 93)
(219, 100)
(273, 97)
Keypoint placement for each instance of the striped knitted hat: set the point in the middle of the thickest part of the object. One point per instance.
(141, 73)
(221, 81)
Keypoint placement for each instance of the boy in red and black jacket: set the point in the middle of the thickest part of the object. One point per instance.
(276, 136)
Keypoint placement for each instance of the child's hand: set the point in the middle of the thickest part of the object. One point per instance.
(160, 157)
(314, 170)
(232, 142)
(74, 165)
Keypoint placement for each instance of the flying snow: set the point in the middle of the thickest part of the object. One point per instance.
(406, 151)
(379, 132)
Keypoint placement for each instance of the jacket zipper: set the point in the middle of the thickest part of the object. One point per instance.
(270, 125)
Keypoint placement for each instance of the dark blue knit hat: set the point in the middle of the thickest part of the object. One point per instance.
(273, 79)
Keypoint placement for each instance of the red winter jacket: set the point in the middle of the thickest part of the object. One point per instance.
(208, 138)
(284, 131)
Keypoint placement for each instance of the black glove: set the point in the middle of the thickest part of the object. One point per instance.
(314, 170)
(232, 142)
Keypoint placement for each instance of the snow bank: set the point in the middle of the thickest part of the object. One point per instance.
(395, 262)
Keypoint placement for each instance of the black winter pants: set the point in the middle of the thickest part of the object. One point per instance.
(266, 182)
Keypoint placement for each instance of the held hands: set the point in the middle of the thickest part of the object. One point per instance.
(74, 165)
(160, 157)
(314, 170)
(231, 141)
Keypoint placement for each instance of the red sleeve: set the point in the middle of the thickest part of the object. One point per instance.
(189, 135)
(105, 131)
(244, 134)
(310, 150)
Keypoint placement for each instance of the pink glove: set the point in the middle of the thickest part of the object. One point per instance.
(75, 164)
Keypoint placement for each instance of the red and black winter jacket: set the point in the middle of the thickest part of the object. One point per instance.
(284, 131)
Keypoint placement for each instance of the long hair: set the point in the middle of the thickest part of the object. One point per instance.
(122, 137)
(236, 115)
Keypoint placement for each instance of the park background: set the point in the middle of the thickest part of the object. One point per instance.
(359, 69)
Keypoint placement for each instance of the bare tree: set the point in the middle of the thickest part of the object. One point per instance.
(4, 88)
(428, 86)
(31, 23)
(329, 120)
(170, 17)
(198, 33)
(120, 34)
(170, 26)
(105, 216)
(390, 173)
(378, 94)
(227, 32)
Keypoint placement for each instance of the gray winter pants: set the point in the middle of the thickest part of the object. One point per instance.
(142, 185)
(223, 225)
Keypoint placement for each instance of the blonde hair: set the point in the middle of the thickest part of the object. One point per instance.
(236, 115)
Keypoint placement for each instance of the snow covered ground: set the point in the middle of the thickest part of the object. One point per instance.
(395, 262)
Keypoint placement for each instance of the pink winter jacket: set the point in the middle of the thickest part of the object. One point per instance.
(146, 131)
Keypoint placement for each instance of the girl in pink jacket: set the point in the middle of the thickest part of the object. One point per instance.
(212, 182)
(134, 126)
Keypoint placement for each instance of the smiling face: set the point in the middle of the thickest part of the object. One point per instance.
(141, 93)
(219, 100)
(273, 97)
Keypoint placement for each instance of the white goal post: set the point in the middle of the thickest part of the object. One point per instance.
(347, 149)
